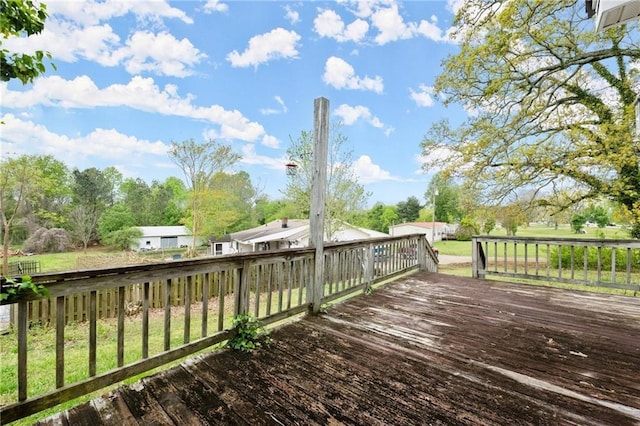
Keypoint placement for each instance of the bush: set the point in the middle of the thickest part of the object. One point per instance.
(592, 258)
(466, 230)
(123, 239)
(54, 240)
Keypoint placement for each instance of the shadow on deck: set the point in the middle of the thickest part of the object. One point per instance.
(426, 349)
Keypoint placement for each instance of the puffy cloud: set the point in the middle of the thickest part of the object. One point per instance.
(329, 24)
(423, 97)
(90, 12)
(350, 115)
(341, 75)
(276, 44)
(140, 93)
(292, 15)
(143, 51)
(368, 172)
(249, 156)
(215, 6)
(19, 136)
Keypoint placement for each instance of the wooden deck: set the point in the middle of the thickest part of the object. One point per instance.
(426, 349)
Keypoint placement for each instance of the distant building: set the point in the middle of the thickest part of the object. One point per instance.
(291, 233)
(163, 237)
(443, 230)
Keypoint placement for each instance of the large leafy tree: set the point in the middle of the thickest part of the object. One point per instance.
(345, 194)
(200, 162)
(49, 206)
(19, 182)
(409, 210)
(93, 190)
(552, 104)
(18, 18)
(443, 195)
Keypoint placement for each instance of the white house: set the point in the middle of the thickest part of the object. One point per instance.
(429, 229)
(291, 233)
(163, 237)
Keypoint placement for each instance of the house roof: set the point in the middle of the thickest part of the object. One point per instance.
(164, 231)
(272, 231)
(426, 225)
(296, 229)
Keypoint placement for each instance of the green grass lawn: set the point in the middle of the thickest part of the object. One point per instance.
(463, 248)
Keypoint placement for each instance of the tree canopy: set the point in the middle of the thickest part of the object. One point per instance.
(345, 194)
(551, 104)
(18, 18)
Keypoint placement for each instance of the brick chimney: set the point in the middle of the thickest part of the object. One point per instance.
(284, 222)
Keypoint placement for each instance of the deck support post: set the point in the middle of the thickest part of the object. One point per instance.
(318, 194)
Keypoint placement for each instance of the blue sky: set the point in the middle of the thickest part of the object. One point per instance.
(132, 76)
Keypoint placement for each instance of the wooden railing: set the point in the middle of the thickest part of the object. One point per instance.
(585, 261)
(182, 307)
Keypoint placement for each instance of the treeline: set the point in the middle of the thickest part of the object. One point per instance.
(46, 206)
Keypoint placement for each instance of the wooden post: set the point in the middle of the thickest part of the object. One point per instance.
(318, 194)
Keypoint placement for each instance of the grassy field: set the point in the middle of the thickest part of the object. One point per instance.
(463, 248)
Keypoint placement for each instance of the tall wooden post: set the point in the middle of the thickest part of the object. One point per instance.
(318, 195)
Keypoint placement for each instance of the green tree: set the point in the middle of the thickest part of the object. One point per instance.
(19, 182)
(136, 195)
(200, 162)
(116, 218)
(18, 18)
(381, 217)
(345, 194)
(552, 102)
(94, 191)
(409, 210)
(168, 200)
(597, 215)
(232, 199)
(48, 207)
(577, 223)
(489, 225)
(444, 192)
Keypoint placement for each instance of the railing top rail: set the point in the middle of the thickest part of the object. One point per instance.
(560, 240)
(60, 282)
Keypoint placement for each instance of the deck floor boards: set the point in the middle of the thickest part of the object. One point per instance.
(427, 349)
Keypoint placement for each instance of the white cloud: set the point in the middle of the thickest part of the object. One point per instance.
(350, 115)
(436, 158)
(292, 15)
(140, 93)
(161, 53)
(273, 111)
(367, 172)
(90, 12)
(423, 97)
(215, 6)
(143, 51)
(341, 75)
(276, 44)
(249, 156)
(18, 136)
(329, 24)
(385, 16)
(455, 5)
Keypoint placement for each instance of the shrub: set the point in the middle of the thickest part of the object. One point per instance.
(123, 239)
(54, 240)
(466, 230)
(592, 258)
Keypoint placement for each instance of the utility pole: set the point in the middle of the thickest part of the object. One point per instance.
(315, 290)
